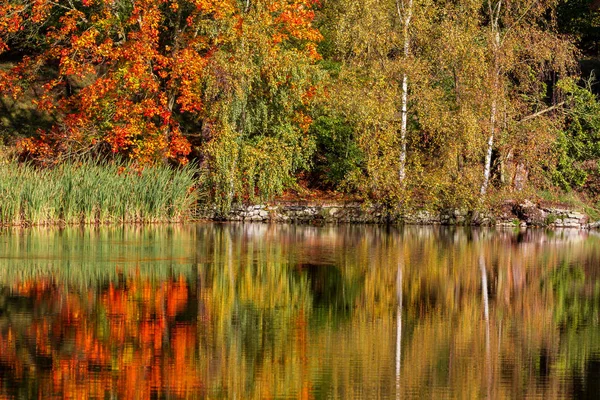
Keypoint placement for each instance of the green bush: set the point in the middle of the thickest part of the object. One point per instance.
(578, 145)
(337, 153)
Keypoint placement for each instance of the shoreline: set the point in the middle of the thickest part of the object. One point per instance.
(510, 215)
(525, 215)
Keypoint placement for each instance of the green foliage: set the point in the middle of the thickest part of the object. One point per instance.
(578, 144)
(337, 155)
(550, 219)
(258, 106)
(252, 170)
(89, 192)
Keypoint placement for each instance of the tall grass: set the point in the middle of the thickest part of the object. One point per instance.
(92, 192)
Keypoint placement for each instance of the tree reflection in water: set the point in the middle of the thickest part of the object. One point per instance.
(272, 311)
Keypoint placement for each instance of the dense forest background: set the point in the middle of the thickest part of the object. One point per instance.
(431, 102)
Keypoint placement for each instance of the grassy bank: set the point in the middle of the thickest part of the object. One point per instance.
(90, 192)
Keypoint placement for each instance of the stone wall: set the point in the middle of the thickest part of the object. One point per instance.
(307, 213)
(557, 217)
(511, 215)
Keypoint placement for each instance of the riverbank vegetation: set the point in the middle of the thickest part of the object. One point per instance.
(91, 193)
(400, 102)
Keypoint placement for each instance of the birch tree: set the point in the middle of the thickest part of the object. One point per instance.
(372, 41)
(525, 55)
(405, 10)
(494, 10)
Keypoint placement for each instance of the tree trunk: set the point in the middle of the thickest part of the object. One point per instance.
(490, 146)
(405, 15)
(494, 13)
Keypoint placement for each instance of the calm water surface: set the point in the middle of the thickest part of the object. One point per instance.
(275, 311)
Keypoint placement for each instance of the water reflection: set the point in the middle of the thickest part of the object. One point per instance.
(276, 311)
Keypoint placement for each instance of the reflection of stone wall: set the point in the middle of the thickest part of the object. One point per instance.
(510, 215)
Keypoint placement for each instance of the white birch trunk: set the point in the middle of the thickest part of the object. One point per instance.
(494, 12)
(490, 147)
(405, 15)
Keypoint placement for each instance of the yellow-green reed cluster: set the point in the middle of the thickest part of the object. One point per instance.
(91, 192)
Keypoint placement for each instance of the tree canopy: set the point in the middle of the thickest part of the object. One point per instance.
(398, 101)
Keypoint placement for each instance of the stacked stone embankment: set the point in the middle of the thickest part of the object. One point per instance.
(511, 215)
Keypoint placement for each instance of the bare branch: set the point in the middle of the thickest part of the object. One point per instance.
(542, 112)
(398, 8)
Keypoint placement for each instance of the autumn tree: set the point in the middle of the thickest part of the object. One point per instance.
(482, 83)
(140, 77)
(111, 74)
(371, 41)
(258, 101)
(526, 56)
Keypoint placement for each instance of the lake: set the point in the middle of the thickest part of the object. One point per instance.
(301, 312)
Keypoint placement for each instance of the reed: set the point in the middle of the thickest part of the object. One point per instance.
(92, 192)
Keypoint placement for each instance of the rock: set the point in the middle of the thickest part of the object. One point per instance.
(505, 224)
(557, 211)
(594, 225)
(423, 215)
(530, 213)
(571, 223)
(263, 214)
(527, 204)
